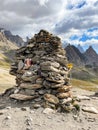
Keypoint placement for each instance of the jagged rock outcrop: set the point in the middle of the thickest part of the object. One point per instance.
(74, 55)
(92, 56)
(42, 74)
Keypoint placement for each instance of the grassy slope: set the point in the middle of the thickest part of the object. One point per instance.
(6, 80)
(84, 78)
(87, 85)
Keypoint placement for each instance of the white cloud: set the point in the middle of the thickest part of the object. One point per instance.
(43, 2)
(26, 17)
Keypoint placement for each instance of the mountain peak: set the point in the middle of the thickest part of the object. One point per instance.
(74, 55)
(91, 55)
(91, 51)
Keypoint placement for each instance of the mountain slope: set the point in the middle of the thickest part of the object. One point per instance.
(5, 44)
(84, 63)
(16, 39)
(80, 48)
(74, 55)
(92, 56)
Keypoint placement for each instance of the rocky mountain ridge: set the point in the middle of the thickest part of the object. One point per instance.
(92, 56)
(16, 39)
(6, 44)
(89, 57)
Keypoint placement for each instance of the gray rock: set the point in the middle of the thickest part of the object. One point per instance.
(51, 98)
(36, 106)
(24, 109)
(83, 97)
(20, 65)
(90, 109)
(21, 97)
(30, 86)
(48, 111)
(96, 94)
(8, 118)
(49, 63)
(41, 92)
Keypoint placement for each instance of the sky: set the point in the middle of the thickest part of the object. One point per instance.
(75, 21)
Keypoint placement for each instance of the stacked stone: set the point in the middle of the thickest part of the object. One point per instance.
(42, 74)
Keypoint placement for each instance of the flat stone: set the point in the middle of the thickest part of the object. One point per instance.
(62, 61)
(56, 85)
(49, 105)
(20, 65)
(22, 49)
(41, 92)
(48, 111)
(50, 68)
(39, 81)
(24, 109)
(90, 109)
(63, 89)
(31, 78)
(46, 84)
(51, 98)
(83, 97)
(68, 100)
(28, 73)
(49, 63)
(30, 86)
(36, 106)
(55, 81)
(29, 92)
(21, 97)
(64, 95)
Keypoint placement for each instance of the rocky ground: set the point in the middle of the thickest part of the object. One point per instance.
(20, 116)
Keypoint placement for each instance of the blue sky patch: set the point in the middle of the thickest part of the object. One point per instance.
(92, 29)
(74, 37)
(85, 38)
(80, 5)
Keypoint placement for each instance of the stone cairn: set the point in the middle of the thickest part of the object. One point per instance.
(42, 74)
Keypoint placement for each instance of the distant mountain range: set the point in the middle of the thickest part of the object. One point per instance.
(77, 56)
(16, 39)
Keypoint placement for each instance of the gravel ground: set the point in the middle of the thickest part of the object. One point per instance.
(18, 116)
